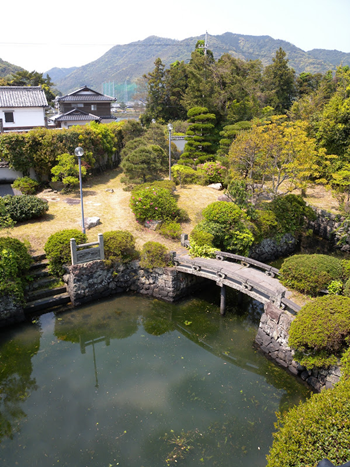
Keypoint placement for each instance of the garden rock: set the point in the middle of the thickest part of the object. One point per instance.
(152, 225)
(91, 222)
(216, 186)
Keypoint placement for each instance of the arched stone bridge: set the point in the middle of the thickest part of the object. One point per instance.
(240, 273)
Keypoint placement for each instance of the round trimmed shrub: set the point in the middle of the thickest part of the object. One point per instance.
(154, 255)
(346, 269)
(170, 229)
(26, 185)
(154, 204)
(167, 184)
(23, 258)
(25, 207)
(316, 429)
(310, 273)
(229, 226)
(57, 249)
(320, 329)
(119, 246)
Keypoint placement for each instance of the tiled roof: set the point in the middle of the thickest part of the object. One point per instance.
(76, 115)
(85, 95)
(22, 96)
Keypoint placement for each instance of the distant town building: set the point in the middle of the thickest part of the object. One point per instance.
(82, 106)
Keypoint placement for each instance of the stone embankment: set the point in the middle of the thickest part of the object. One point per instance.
(94, 280)
(272, 339)
(11, 311)
(331, 227)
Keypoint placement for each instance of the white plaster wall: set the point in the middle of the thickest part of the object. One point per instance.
(33, 116)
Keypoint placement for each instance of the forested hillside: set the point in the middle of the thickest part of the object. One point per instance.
(126, 63)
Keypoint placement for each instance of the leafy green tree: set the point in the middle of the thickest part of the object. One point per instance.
(67, 171)
(34, 78)
(146, 163)
(334, 126)
(229, 133)
(200, 137)
(279, 81)
(280, 153)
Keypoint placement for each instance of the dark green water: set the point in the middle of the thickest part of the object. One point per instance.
(133, 382)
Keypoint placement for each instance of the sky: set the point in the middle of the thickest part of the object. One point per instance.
(41, 35)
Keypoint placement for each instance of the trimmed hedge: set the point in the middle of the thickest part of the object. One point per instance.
(316, 429)
(119, 246)
(57, 249)
(25, 207)
(320, 330)
(310, 273)
(154, 255)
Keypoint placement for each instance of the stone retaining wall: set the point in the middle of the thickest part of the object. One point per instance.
(94, 280)
(269, 249)
(331, 227)
(11, 311)
(272, 339)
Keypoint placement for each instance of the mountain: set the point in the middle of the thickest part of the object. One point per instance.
(7, 69)
(58, 74)
(123, 64)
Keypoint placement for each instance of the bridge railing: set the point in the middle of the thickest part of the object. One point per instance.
(269, 270)
(205, 269)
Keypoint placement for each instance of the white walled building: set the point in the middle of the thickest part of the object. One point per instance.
(22, 108)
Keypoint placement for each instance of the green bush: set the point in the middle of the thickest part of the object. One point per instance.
(170, 229)
(201, 238)
(229, 226)
(321, 328)
(119, 246)
(214, 172)
(14, 265)
(167, 184)
(316, 429)
(346, 269)
(26, 185)
(154, 255)
(291, 212)
(183, 175)
(57, 249)
(310, 273)
(346, 290)
(25, 207)
(154, 204)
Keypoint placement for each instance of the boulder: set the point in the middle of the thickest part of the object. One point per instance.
(91, 222)
(216, 186)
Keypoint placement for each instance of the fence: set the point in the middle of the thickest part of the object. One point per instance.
(87, 253)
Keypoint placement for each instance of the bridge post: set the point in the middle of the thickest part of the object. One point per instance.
(222, 300)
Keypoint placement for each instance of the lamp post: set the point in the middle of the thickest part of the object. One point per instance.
(170, 128)
(79, 152)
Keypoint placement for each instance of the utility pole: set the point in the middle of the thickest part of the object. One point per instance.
(206, 43)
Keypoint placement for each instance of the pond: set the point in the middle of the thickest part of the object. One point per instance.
(132, 381)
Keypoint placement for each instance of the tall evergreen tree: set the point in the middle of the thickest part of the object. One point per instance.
(200, 137)
(279, 80)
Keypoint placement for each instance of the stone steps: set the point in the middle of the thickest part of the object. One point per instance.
(47, 302)
(41, 294)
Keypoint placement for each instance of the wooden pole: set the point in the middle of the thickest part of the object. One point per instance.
(222, 300)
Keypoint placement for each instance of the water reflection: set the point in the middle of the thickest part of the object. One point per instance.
(137, 381)
(16, 383)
